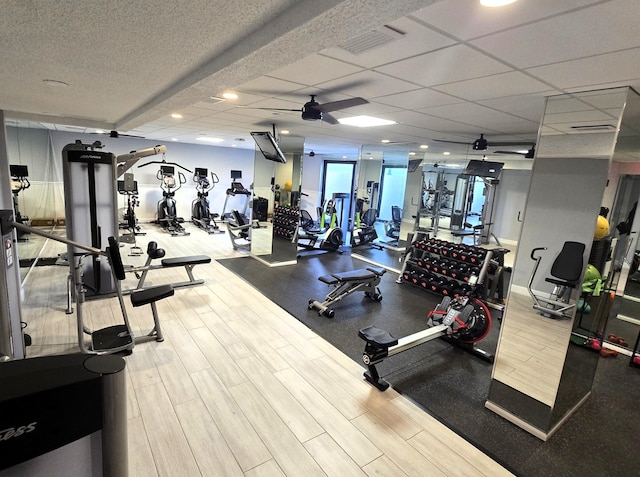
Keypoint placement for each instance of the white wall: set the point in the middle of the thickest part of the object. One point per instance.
(220, 160)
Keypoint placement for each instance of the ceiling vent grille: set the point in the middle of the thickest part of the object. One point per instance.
(371, 39)
(594, 127)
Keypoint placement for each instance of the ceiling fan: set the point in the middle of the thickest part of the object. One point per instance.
(115, 134)
(481, 144)
(314, 111)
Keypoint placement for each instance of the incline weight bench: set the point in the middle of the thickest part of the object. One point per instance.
(153, 252)
(346, 283)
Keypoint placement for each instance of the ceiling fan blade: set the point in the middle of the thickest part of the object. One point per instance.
(327, 118)
(115, 134)
(342, 104)
(271, 109)
(511, 143)
(453, 142)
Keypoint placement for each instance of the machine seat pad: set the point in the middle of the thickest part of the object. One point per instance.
(182, 261)
(377, 336)
(150, 295)
(357, 275)
(463, 233)
(560, 282)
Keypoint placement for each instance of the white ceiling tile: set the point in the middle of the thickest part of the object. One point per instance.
(315, 69)
(370, 85)
(466, 19)
(619, 67)
(496, 86)
(529, 107)
(268, 86)
(419, 98)
(602, 28)
(456, 63)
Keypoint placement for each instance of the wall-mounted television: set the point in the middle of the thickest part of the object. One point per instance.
(268, 146)
(487, 169)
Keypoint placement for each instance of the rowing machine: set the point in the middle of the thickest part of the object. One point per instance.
(462, 321)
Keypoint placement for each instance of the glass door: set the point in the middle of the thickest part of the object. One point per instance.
(337, 186)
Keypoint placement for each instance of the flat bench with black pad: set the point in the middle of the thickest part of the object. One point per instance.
(345, 283)
(188, 262)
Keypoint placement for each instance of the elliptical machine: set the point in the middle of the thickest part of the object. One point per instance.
(167, 211)
(200, 213)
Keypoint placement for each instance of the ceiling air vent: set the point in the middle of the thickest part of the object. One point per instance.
(594, 127)
(371, 39)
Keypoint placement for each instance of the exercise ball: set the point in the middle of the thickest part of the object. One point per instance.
(288, 185)
(592, 281)
(602, 228)
(591, 273)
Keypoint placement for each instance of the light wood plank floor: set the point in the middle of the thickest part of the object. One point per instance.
(240, 387)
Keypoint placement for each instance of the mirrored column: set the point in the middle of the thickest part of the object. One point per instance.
(539, 378)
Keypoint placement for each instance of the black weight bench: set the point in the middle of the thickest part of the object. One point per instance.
(345, 283)
(153, 253)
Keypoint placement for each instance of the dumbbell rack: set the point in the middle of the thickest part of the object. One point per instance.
(285, 221)
(445, 268)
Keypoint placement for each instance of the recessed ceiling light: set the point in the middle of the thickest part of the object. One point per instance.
(344, 157)
(365, 121)
(284, 131)
(424, 146)
(55, 83)
(446, 153)
(174, 138)
(209, 139)
(230, 95)
(385, 141)
(233, 145)
(412, 153)
(495, 3)
(99, 131)
(176, 115)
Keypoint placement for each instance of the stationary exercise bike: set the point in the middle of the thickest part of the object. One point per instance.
(167, 212)
(566, 272)
(200, 213)
(364, 231)
(311, 238)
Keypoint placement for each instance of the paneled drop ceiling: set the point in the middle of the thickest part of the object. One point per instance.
(444, 70)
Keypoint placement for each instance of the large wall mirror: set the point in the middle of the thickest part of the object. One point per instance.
(620, 331)
(276, 190)
(36, 186)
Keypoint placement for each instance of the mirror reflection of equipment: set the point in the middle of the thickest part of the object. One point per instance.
(167, 211)
(200, 213)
